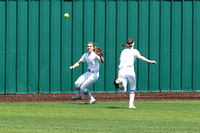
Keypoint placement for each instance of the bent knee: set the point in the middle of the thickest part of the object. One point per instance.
(77, 85)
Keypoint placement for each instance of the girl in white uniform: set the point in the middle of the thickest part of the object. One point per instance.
(89, 77)
(126, 69)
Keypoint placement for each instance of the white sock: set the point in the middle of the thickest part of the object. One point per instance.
(131, 99)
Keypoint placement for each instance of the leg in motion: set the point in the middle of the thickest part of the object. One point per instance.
(78, 96)
(90, 97)
(91, 80)
(78, 84)
(123, 85)
(131, 99)
(132, 81)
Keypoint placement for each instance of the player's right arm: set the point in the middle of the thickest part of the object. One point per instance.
(75, 65)
(139, 56)
(145, 59)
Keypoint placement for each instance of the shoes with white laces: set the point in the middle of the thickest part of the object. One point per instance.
(90, 101)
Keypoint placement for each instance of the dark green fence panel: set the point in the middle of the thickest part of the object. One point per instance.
(154, 30)
(187, 46)
(196, 46)
(164, 63)
(2, 45)
(88, 24)
(55, 46)
(10, 49)
(33, 46)
(176, 46)
(22, 47)
(38, 45)
(132, 18)
(44, 60)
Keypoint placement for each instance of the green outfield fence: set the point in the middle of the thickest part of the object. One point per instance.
(37, 44)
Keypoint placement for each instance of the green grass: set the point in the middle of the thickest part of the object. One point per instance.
(162, 116)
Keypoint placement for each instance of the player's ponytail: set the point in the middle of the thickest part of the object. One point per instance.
(123, 45)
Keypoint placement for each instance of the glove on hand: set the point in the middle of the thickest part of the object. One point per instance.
(98, 51)
(116, 84)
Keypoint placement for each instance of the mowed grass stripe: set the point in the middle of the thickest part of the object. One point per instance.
(164, 116)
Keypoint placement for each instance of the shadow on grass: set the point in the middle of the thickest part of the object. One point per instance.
(78, 103)
(81, 103)
(115, 107)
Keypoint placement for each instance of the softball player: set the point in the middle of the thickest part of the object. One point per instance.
(89, 77)
(126, 69)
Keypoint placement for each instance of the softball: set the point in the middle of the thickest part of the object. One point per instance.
(66, 15)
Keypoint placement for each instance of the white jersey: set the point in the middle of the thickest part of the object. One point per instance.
(92, 61)
(126, 69)
(127, 57)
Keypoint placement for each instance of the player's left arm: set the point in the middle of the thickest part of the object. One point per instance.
(145, 59)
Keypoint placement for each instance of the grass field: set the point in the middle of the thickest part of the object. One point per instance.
(163, 116)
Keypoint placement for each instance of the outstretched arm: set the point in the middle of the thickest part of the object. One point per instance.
(145, 59)
(75, 65)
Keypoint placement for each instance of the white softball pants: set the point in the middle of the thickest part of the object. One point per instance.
(128, 74)
(86, 80)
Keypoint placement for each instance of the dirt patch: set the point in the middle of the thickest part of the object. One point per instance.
(100, 97)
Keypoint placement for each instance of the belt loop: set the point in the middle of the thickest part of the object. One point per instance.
(91, 71)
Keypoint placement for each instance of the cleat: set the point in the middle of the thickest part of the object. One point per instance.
(77, 98)
(131, 107)
(90, 101)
